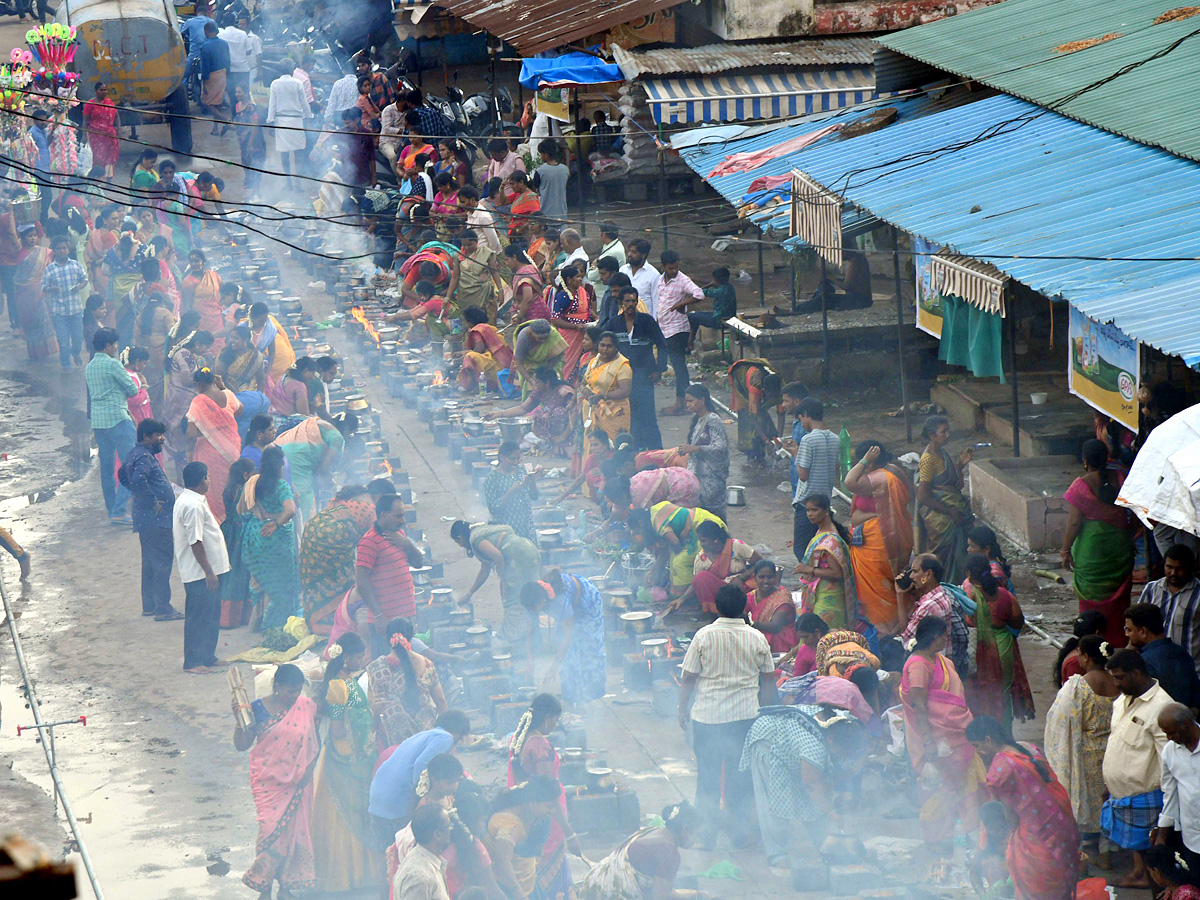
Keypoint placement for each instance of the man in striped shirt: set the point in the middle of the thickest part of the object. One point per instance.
(382, 573)
(729, 670)
(1178, 596)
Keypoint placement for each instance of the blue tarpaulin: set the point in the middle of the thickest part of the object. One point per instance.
(566, 70)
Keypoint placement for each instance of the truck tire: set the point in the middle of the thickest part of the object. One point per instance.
(181, 126)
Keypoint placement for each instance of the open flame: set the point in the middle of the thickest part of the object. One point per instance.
(438, 378)
(360, 316)
(295, 333)
(387, 467)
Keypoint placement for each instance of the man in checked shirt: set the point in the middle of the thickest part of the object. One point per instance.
(62, 283)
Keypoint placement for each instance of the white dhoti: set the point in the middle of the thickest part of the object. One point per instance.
(288, 140)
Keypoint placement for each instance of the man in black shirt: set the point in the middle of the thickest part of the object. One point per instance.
(638, 335)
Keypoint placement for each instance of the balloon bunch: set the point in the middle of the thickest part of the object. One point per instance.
(54, 81)
(54, 45)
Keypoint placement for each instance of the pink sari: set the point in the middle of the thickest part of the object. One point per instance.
(960, 774)
(281, 767)
(671, 483)
(218, 446)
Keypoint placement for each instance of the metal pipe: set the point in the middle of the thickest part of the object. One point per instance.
(824, 326)
(662, 187)
(1012, 364)
(900, 331)
(579, 164)
(46, 745)
(762, 277)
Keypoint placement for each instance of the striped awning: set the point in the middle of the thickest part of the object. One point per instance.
(766, 95)
(979, 283)
(817, 217)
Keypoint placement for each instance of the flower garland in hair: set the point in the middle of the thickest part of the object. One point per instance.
(399, 640)
(1105, 649)
(1181, 862)
(124, 357)
(521, 732)
(673, 813)
(335, 651)
(545, 586)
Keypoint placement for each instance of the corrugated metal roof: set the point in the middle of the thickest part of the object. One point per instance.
(712, 59)
(536, 25)
(1053, 187)
(757, 95)
(1022, 48)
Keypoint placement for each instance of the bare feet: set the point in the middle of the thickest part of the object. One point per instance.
(1133, 880)
(676, 409)
(25, 569)
(200, 670)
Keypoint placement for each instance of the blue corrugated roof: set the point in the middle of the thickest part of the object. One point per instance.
(1052, 187)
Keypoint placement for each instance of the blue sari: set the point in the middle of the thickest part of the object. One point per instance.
(583, 668)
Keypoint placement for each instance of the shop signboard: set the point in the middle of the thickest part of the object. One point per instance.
(929, 298)
(552, 101)
(1105, 368)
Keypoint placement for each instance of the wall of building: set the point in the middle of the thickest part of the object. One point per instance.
(744, 20)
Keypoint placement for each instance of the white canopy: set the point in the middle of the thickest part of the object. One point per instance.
(1164, 483)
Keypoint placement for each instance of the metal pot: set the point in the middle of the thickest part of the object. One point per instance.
(474, 427)
(514, 429)
(388, 333)
(461, 617)
(620, 598)
(413, 366)
(600, 779)
(442, 595)
(656, 647)
(549, 538)
(638, 622)
(478, 636)
(290, 305)
(735, 495)
(269, 281)
(572, 753)
(420, 576)
(502, 662)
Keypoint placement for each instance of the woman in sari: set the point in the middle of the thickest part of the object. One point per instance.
(149, 227)
(999, 687)
(772, 610)
(575, 605)
(145, 172)
(826, 574)
(572, 308)
(526, 282)
(524, 204)
(484, 353)
(673, 484)
(186, 347)
(707, 449)
(201, 291)
(517, 561)
(289, 395)
(285, 747)
(675, 530)
(755, 390)
(949, 773)
(100, 121)
(403, 689)
(313, 449)
(604, 396)
(1043, 848)
(1077, 729)
(881, 538)
(722, 560)
(531, 755)
(943, 512)
(344, 856)
(241, 364)
(153, 327)
(520, 827)
(551, 405)
(269, 539)
(537, 343)
(235, 589)
(33, 316)
(1098, 543)
(839, 652)
(101, 240)
(982, 540)
(270, 339)
(327, 550)
(212, 431)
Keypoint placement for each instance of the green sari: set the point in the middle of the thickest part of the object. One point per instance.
(271, 559)
(522, 564)
(552, 351)
(1102, 556)
(836, 602)
(937, 533)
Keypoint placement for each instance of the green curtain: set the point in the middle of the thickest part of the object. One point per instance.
(971, 338)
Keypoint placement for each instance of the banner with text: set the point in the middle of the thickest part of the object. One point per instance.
(929, 300)
(1105, 368)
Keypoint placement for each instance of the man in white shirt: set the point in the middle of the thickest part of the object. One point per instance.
(642, 275)
(342, 96)
(611, 246)
(289, 110)
(675, 293)
(203, 563)
(391, 128)
(422, 874)
(572, 245)
(729, 670)
(244, 51)
(479, 217)
(1179, 822)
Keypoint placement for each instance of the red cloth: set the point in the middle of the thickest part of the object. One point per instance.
(744, 162)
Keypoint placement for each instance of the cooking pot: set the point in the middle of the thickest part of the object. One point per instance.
(735, 495)
(388, 333)
(442, 595)
(620, 598)
(514, 429)
(639, 622)
(461, 617)
(571, 753)
(420, 575)
(388, 347)
(474, 427)
(478, 636)
(600, 779)
(502, 662)
(290, 305)
(412, 366)
(549, 538)
(269, 281)
(655, 647)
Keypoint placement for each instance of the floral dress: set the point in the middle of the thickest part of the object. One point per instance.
(710, 461)
(1077, 728)
(397, 721)
(583, 668)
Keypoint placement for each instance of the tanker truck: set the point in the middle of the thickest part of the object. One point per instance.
(135, 47)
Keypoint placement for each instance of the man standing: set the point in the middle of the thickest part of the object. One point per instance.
(393, 788)
(422, 874)
(1178, 596)
(214, 74)
(638, 336)
(502, 161)
(1133, 761)
(607, 269)
(244, 48)
(924, 595)
(194, 31)
(509, 491)
(729, 669)
(153, 510)
(1166, 661)
(551, 183)
(357, 168)
(572, 245)
(109, 388)
(1179, 822)
(62, 283)
(10, 255)
(675, 293)
(610, 246)
(41, 165)
(793, 395)
(381, 89)
(391, 128)
(342, 96)
(382, 573)
(816, 469)
(642, 275)
(480, 219)
(203, 565)
(289, 111)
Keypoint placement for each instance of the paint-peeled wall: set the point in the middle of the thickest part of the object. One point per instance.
(744, 20)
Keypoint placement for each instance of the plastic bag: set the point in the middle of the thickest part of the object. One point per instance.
(83, 159)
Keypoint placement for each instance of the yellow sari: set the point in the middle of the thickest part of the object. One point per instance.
(610, 416)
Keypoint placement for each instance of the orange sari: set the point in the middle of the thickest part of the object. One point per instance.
(880, 548)
(218, 446)
(203, 294)
(99, 242)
